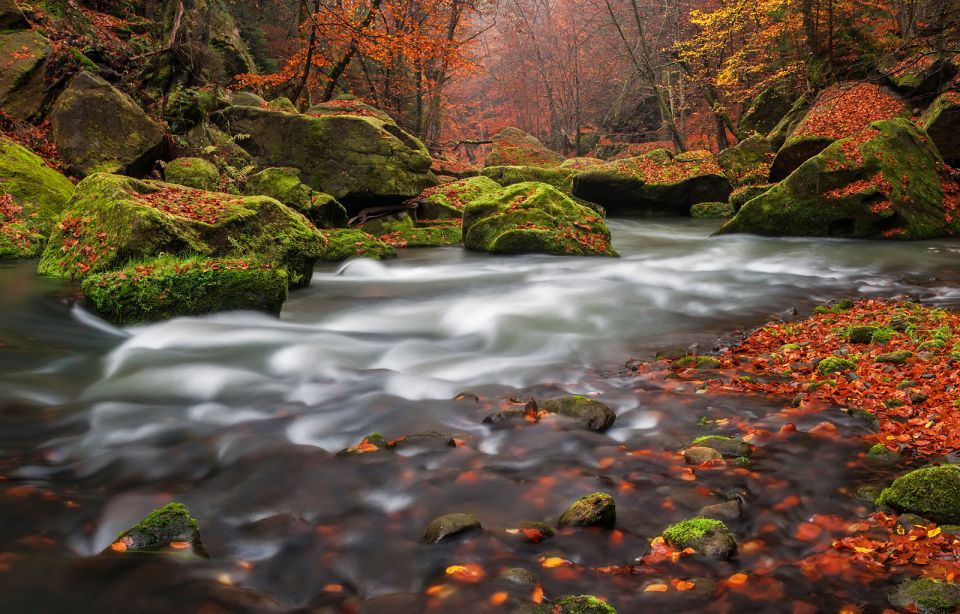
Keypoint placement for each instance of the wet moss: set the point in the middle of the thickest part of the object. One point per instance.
(193, 173)
(932, 492)
(594, 510)
(712, 210)
(577, 604)
(927, 595)
(170, 523)
(705, 535)
(833, 364)
(879, 453)
(727, 446)
(345, 243)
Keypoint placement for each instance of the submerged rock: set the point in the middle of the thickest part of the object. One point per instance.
(530, 218)
(656, 183)
(931, 492)
(192, 173)
(514, 147)
(697, 455)
(728, 447)
(728, 510)
(449, 525)
(518, 575)
(170, 524)
(926, 595)
(32, 196)
(885, 182)
(594, 510)
(705, 535)
(882, 455)
(592, 414)
(100, 129)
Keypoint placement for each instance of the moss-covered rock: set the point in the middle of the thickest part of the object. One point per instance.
(100, 129)
(712, 210)
(835, 364)
(882, 455)
(727, 446)
(218, 146)
(448, 525)
(926, 595)
(932, 492)
(171, 523)
(747, 162)
(942, 123)
(885, 182)
(348, 105)
(898, 357)
(705, 535)
(840, 111)
(697, 455)
(766, 110)
(169, 287)
(744, 194)
(594, 510)
(355, 159)
(346, 243)
(656, 183)
(582, 164)
(559, 177)
(112, 220)
(420, 235)
(247, 99)
(788, 123)
(592, 414)
(282, 104)
(32, 196)
(534, 218)
(697, 362)
(575, 604)
(448, 200)
(10, 16)
(919, 77)
(514, 147)
(22, 87)
(283, 184)
(192, 173)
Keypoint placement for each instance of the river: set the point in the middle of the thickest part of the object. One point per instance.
(239, 415)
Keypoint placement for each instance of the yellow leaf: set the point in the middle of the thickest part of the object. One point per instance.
(656, 588)
(554, 561)
(863, 550)
(933, 532)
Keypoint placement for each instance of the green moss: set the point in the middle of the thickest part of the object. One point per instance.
(597, 509)
(193, 173)
(578, 604)
(698, 362)
(514, 147)
(745, 194)
(170, 523)
(727, 446)
(282, 104)
(169, 287)
(833, 364)
(927, 595)
(448, 200)
(534, 218)
(712, 210)
(346, 243)
(705, 535)
(747, 162)
(424, 236)
(879, 453)
(932, 492)
(284, 184)
(897, 358)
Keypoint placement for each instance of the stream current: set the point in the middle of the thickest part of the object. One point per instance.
(240, 415)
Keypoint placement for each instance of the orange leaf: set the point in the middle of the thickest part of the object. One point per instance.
(656, 588)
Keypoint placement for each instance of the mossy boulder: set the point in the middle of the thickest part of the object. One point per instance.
(283, 184)
(840, 111)
(448, 200)
(745, 194)
(557, 176)
(697, 455)
(882, 455)
(932, 492)
(575, 604)
(356, 159)
(885, 182)
(23, 55)
(514, 147)
(592, 414)
(346, 243)
(656, 183)
(919, 77)
(697, 362)
(247, 99)
(727, 446)
(448, 525)
(282, 104)
(169, 287)
(218, 146)
(419, 235)
(112, 220)
(766, 110)
(582, 164)
(926, 595)
(10, 16)
(32, 196)
(942, 123)
(594, 510)
(712, 210)
(192, 173)
(98, 129)
(534, 218)
(747, 162)
(348, 105)
(788, 123)
(705, 535)
(171, 523)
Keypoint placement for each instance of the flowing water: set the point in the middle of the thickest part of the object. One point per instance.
(239, 416)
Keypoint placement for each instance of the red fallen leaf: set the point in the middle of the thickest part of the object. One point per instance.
(180, 545)
(683, 585)
(808, 532)
(532, 535)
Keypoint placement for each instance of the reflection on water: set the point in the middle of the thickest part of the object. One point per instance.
(238, 414)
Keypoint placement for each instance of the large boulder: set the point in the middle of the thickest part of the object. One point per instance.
(347, 105)
(447, 201)
(788, 123)
(886, 182)
(32, 195)
(942, 122)
(656, 183)
(919, 77)
(357, 159)
(10, 16)
(168, 287)
(98, 128)
(284, 184)
(23, 55)
(747, 162)
(534, 218)
(766, 110)
(514, 147)
(839, 111)
(931, 492)
(112, 220)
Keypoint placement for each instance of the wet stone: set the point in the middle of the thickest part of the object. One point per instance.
(590, 413)
(597, 509)
(728, 510)
(518, 575)
(535, 532)
(504, 416)
(707, 536)
(697, 455)
(467, 396)
(726, 446)
(170, 524)
(449, 525)
(927, 596)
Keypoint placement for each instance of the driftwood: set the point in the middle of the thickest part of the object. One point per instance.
(372, 213)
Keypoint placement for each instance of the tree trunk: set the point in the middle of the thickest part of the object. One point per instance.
(338, 69)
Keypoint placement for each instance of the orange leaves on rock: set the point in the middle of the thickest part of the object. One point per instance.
(197, 205)
(843, 110)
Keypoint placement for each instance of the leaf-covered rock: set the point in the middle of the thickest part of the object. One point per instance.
(112, 220)
(747, 162)
(514, 147)
(885, 182)
(840, 111)
(534, 218)
(169, 287)
(448, 200)
(100, 129)
(656, 183)
(284, 185)
(942, 122)
(346, 243)
(32, 196)
(23, 55)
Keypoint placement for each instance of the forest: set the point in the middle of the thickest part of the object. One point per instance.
(524, 306)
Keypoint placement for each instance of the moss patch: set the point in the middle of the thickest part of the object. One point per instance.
(931, 492)
(345, 243)
(705, 535)
(170, 523)
(192, 173)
